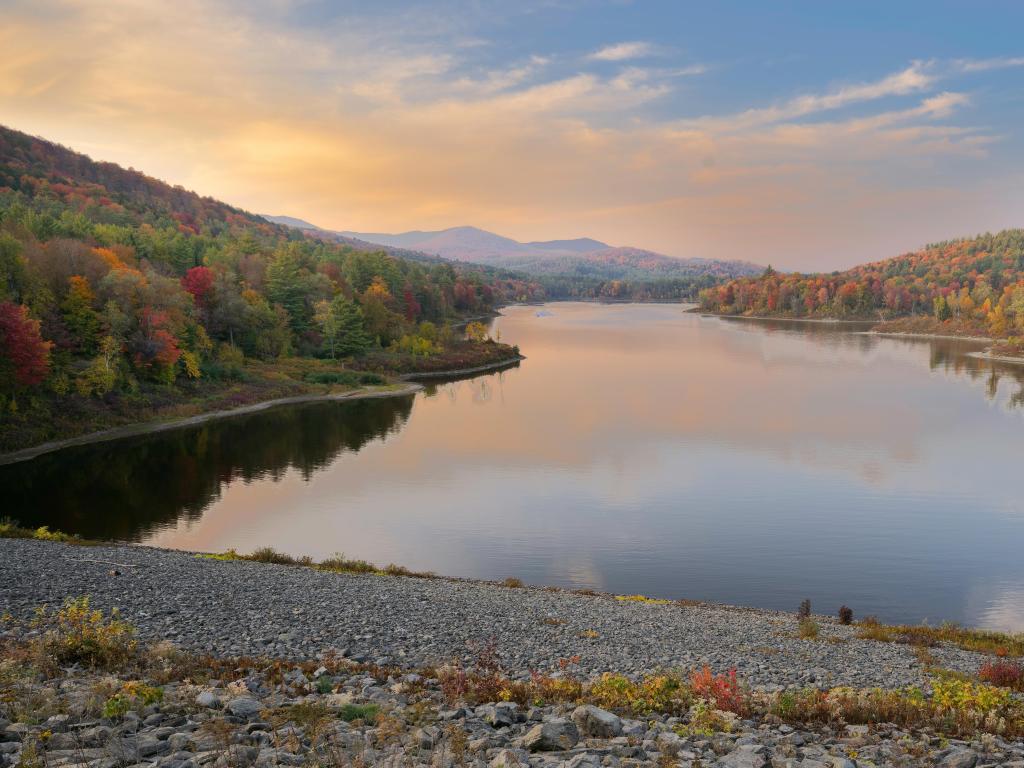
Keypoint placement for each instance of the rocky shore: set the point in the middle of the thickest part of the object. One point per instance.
(246, 608)
(364, 681)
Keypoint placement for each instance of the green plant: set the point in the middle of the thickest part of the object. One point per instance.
(365, 712)
(79, 634)
(809, 629)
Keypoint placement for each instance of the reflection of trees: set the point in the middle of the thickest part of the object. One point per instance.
(126, 489)
(948, 355)
(952, 357)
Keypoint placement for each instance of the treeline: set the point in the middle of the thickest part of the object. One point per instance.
(563, 287)
(109, 278)
(968, 286)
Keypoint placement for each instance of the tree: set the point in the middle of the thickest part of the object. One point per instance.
(79, 316)
(24, 355)
(199, 282)
(104, 372)
(352, 338)
(476, 332)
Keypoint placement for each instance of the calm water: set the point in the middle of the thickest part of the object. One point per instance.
(638, 449)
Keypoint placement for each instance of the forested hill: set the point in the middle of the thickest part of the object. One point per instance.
(116, 288)
(974, 285)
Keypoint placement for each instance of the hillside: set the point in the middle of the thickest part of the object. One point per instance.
(123, 298)
(969, 286)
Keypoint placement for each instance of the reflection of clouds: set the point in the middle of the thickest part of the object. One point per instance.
(1003, 611)
(627, 449)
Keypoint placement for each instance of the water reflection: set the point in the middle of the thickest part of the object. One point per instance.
(129, 489)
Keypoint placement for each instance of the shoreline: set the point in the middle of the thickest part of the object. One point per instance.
(763, 318)
(919, 335)
(413, 622)
(462, 371)
(996, 358)
(409, 386)
(149, 427)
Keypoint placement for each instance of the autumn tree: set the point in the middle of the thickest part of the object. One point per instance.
(24, 355)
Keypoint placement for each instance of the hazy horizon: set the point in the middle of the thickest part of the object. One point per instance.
(811, 137)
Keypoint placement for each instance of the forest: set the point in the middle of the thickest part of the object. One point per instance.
(973, 286)
(120, 294)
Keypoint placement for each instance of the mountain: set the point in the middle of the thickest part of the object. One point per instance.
(581, 257)
(973, 285)
(291, 221)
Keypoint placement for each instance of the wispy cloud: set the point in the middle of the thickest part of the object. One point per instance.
(984, 65)
(636, 49)
(372, 124)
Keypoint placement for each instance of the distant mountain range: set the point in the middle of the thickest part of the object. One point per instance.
(579, 257)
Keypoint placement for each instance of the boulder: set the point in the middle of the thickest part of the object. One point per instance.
(554, 735)
(595, 722)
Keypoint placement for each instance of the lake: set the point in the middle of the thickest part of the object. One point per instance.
(637, 449)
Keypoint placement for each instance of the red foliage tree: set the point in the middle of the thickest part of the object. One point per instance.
(21, 345)
(199, 282)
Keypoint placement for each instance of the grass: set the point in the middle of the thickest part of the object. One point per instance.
(335, 564)
(642, 599)
(10, 529)
(979, 640)
(809, 628)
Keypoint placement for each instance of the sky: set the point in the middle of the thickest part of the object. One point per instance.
(808, 135)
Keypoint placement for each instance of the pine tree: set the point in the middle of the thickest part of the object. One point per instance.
(351, 338)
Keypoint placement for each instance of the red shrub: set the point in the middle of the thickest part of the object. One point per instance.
(1006, 674)
(723, 690)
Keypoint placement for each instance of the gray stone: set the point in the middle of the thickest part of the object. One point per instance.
(553, 735)
(959, 758)
(744, 758)
(208, 699)
(510, 758)
(244, 706)
(596, 722)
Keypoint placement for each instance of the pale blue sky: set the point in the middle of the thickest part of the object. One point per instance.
(807, 134)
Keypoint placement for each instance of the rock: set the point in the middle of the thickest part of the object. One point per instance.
(244, 706)
(208, 699)
(499, 715)
(959, 758)
(510, 758)
(553, 735)
(743, 757)
(596, 722)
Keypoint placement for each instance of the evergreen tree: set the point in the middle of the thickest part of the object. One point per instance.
(351, 337)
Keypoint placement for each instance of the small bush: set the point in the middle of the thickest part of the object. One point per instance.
(845, 615)
(724, 691)
(1005, 674)
(809, 629)
(340, 564)
(271, 555)
(512, 582)
(79, 634)
(804, 611)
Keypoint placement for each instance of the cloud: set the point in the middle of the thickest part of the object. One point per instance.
(370, 124)
(984, 65)
(625, 51)
(913, 78)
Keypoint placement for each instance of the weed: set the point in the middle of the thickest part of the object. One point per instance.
(845, 615)
(642, 599)
(809, 628)
(553, 621)
(512, 582)
(589, 634)
(79, 634)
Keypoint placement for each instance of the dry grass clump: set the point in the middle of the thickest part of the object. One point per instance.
(335, 564)
(980, 640)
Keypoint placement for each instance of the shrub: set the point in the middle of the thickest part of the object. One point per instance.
(133, 696)
(512, 582)
(809, 629)
(271, 555)
(1005, 674)
(724, 691)
(845, 615)
(804, 611)
(79, 634)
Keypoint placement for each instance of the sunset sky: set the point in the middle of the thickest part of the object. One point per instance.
(809, 135)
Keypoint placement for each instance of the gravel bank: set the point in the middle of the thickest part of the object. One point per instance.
(239, 607)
